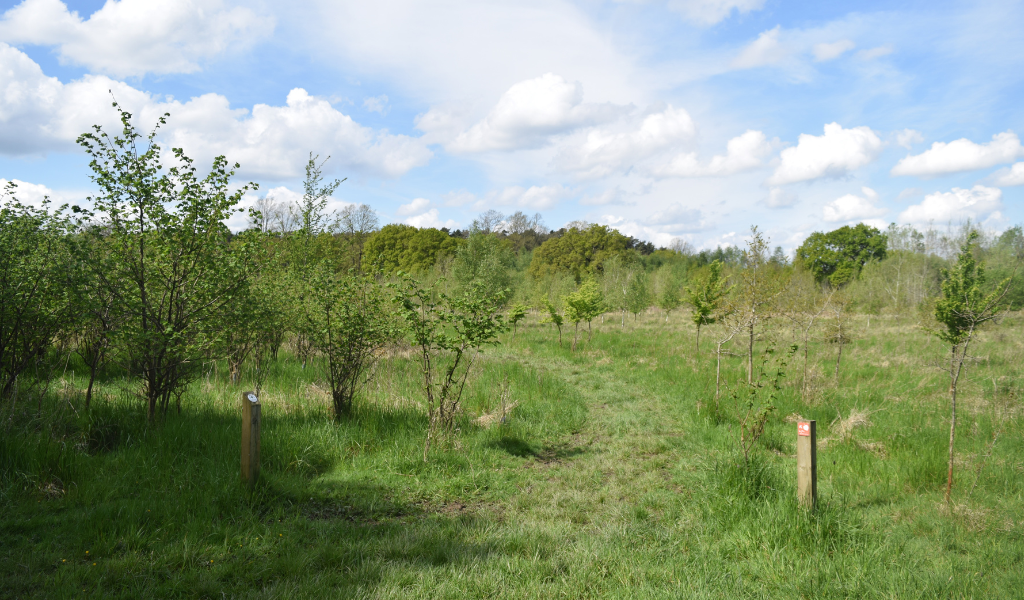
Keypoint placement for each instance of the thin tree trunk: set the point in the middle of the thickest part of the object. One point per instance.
(718, 371)
(839, 357)
(698, 338)
(955, 376)
(750, 356)
(92, 377)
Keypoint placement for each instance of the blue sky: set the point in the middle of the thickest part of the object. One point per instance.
(689, 119)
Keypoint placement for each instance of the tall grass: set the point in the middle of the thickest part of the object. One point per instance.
(612, 477)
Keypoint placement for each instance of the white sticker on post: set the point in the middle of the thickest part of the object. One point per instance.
(253, 398)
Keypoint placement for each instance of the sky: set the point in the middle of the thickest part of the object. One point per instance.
(690, 119)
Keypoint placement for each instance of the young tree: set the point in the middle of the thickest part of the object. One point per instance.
(638, 295)
(35, 305)
(838, 332)
(516, 314)
(555, 318)
(962, 309)
(583, 305)
(707, 296)
(165, 255)
(669, 300)
(447, 329)
(346, 318)
(760, 288)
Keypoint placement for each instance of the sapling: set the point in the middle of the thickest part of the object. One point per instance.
(707, 297)
(962, 309)
(555, 318)
(447, 329)
(584, 304)
(516, 314)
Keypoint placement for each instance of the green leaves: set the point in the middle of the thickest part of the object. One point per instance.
(162, 254)
(707, 295)
(839, 255)
(964, 305)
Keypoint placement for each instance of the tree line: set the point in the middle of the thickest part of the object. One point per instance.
(149, 281)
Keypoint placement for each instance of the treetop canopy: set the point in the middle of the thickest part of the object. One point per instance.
(838, 256)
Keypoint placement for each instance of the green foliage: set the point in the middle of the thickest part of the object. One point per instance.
(638, 294)
(838, 256)
(555, 318)
(446, 330)
(487, 260)
(584, 304)
(347, 320)
(964, 305)
(579, 251)
(516, 314)
(707, 296)
(760, 397)
(398, 247)
(164, 255)
(36, 281)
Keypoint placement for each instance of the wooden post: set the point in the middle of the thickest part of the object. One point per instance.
(250, 438)
(807, 463)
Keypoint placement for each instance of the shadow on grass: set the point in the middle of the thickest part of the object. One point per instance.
(513, 446)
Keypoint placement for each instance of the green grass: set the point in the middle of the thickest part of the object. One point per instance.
(612, 478)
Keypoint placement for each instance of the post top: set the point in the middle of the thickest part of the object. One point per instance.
(251, 397)
(804, 428)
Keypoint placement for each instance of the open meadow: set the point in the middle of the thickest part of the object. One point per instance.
(609, 473)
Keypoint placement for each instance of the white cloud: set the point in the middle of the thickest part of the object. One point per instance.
(908, 137)
(977, 203)
(31, 194)
(780, 198)
(638, 230)
(537, 197)
(709, 12)
(377, 104)
(529, 113)
(618, 147)
(1011, 176)
(765, 50)
(833, 154)
(471, 51)
(431, 219)
(613, 195)
(873, 53)
(743, 153)
(910, 193)
(135, 37)
(829, 51)
(677, 218)
(961, 155)
(39, 114)
(853, 208)
(417, 206)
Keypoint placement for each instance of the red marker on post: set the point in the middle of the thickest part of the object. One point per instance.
(807, 463)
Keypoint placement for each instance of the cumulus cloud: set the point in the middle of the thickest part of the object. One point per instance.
(780, 198)
(833, 154)
(977, 203)
(829, 51)
(618, 147)
(377, 104)
(537, 197)
(1012, 176)
(765, 50)
(961, 155)
(417, 206)
(529, 113)
(677, 218)
(431, 218)
(908, 137)
(709, 12)
(31, 194)
(39, 114)
(135, 37)
(638, 230)
(743, 153)
(613, 195)
(853, 208)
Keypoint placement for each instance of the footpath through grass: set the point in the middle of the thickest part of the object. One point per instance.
(611, 478)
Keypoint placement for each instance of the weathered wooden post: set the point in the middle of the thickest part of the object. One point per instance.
(807, 463)
(250, 438)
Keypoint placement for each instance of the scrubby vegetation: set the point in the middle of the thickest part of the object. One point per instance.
(426, 432)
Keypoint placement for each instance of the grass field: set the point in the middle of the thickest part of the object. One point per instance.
(613, 477)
